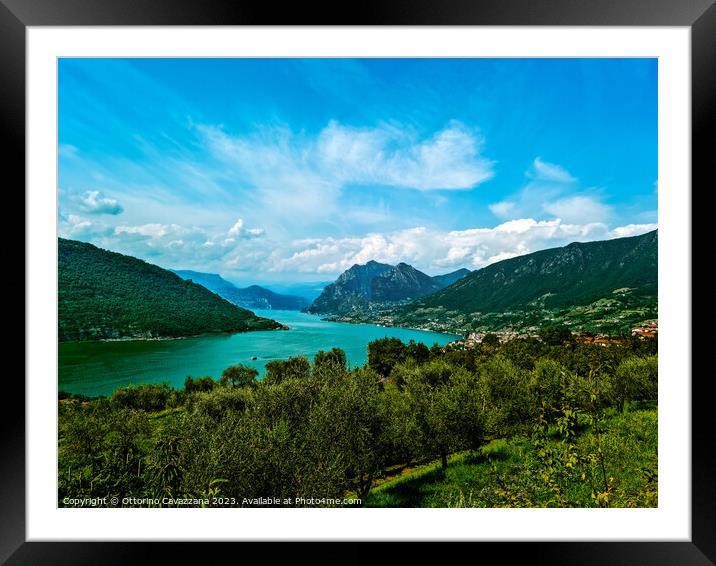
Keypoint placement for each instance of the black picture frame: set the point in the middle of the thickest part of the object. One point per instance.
(17, 15)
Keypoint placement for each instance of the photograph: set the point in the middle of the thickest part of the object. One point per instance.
(368, 282)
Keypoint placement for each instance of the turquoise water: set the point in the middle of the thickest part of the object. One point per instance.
(98, 368)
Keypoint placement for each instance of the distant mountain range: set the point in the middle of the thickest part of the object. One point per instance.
(107, 295)
(363, 286)
(450, 278)
(252, 297)
(308, 290)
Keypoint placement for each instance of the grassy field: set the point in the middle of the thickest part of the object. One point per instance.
(509, 473)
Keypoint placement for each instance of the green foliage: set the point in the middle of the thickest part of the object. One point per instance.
(335, 359)
(384, 354)
(103, 294)
(507, 397)
(192, 385)
(145, 396)
(345, 431)
(217, 403)
(445, 405)
(165, 469)
(278, 371)
(101, 450)
(509, 473)
(635, 379)
(417, 351)
(523, 423)
(239, 376)
(556, 335)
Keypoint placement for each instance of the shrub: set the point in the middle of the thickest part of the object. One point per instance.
(218, 402)
(506, 396)
(192, 385)
(149, 397)
(636, 378)
(384, 354)
(335, 359)
(278, 371)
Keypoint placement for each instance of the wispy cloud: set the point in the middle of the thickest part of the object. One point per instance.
(303, 173)
(544, 171)
(67, 150)
(579, 208)
(553, 192)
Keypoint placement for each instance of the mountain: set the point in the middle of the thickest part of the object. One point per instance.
(575, 274)
(252, 297)
(450, 278)
(308, 290)
(107, 295)
(618, 276)
(362, 287)
(400, 283)
(351, 291)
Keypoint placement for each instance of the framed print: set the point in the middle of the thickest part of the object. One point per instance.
(399, 278)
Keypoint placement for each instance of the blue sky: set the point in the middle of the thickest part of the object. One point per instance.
(274, 170)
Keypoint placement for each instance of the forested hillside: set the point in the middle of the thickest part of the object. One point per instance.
(107, 295)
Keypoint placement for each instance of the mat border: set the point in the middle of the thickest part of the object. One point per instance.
(17, 15)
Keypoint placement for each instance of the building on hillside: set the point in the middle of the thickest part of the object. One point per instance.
(646, 330)
(599, 339)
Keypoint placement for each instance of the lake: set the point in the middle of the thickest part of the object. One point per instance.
(98, 368)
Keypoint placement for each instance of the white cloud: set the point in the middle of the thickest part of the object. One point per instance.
(75, 226)
(153, 231)
(502, 209)
(238, 230)
(632, 230)
(93, 202)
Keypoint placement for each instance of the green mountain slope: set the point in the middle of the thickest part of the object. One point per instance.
(252, 297)
(575, 274)
(595, 286)
(103, 294)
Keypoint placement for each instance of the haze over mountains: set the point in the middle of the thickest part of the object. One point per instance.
(107, 295)
(363, 286)
(251, 297)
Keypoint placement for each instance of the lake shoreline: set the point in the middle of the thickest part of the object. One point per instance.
(164, 338)
(344, 321)
(98, 367)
